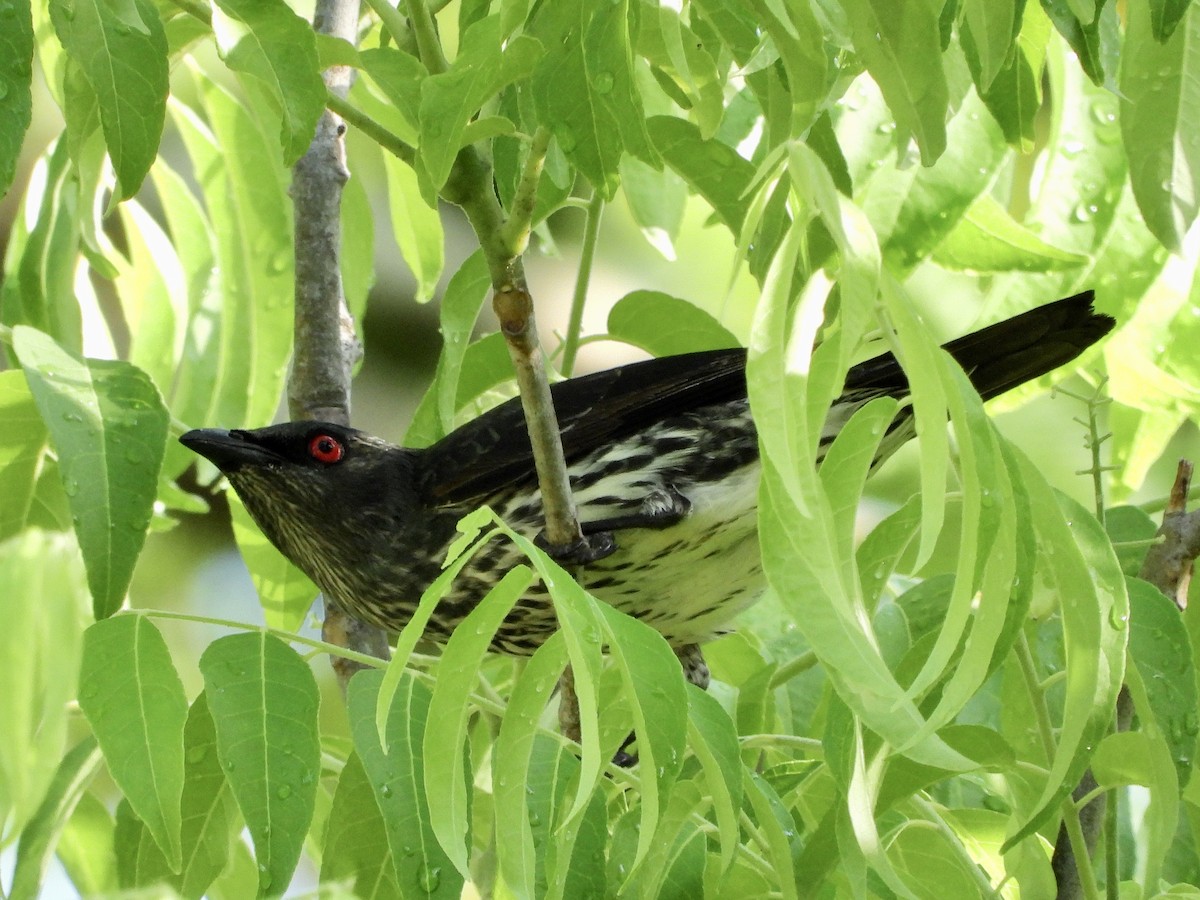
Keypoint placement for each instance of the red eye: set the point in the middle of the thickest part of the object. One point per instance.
(326, 448)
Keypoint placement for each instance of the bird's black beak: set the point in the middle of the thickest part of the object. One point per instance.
(227, 450)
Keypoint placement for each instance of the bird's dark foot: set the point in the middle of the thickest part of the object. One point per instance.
(587, 549)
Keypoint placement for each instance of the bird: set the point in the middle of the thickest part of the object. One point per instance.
(663, 459)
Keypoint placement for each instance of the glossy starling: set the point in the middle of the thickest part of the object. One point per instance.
(662, 454)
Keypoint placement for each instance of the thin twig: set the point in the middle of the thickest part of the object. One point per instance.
(587, 253)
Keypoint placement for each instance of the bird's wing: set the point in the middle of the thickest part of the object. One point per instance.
(492, 452)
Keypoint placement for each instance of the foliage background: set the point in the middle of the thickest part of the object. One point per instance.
(870, 732)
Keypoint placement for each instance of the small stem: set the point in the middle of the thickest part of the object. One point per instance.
(811, 746)
(587, 253)
(514, 233)
(371, 128)
(390, 16)
(792, 668)
(1112, 853)
(194, 9)
(1087, 879)
(428, 42)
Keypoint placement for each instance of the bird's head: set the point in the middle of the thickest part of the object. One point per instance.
(318, 491)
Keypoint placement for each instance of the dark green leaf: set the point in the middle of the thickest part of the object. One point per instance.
(400, 77)
(356, 844)
(397, 777)
(122, 50)
(16, 46)
(713, 738)
(1165, 15)
(109, 428)
(263, 699)
(1094, 40)
(712, 169)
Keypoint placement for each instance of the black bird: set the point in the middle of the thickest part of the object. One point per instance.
(662, 454)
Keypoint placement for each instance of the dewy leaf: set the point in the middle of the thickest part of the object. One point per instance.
(109, 429)
(134, 701)
(122, 50)
(356, 844)
(664, 325)
(16, 46)
(264, 38)
(898, 41)
(264, 702)
(286, 593)
(1160, 104)
(584, 89)
(43, 608)
(397, 778)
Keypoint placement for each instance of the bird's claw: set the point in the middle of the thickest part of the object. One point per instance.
(589, 548)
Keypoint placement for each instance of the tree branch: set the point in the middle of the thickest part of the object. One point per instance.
(326, 346)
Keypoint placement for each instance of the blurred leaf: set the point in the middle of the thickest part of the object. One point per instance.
(85, 848)
(663, 325)
(929, 865)
(43, 607)
(898, 42)
(109, 428)
(244, 188)
(16, 45)
(286, 593)
(265, 39)
(71, 778)
(122, 50)
(397, 777)
(657, 200)
(667, 42)
(358, 247)
(356, 845)
(263, 699)
(583, 88)
(22, 444)
(400, 77)
(134, 701)
(1160, 99)
(988, 239)
(1165, 15)
(418, 228)
(38, 287)
(797, 35)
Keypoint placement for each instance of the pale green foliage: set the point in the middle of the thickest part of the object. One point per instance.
(905, 715)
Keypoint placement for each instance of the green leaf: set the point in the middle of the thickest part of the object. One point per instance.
(664, 325)
(1077, 562)
(122, 50)
(667, 42)
(22, 444)
(85, 848)
(1159, 649)
(1160, 99)
(1165, 16)
(210, 822)
(898, 42)
(712, 736)
(43, 610)
(265, 39)
(71, 779)
(139, 861)
(928, 862)
(1132, 527)
(109, 428)
(519, 854)
(446, 734)
(657, 199)
(993, 25)
(776, 825)
(286, 593)
(988, 239)
(451, 100)
(16, 45)
(584, 90)
(134, 701)
(400, 77)
(397, 778)
(356, 844)
(264, 701)
(417, 226)
(1014, 96)
(1093, 38)
(712, 169)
